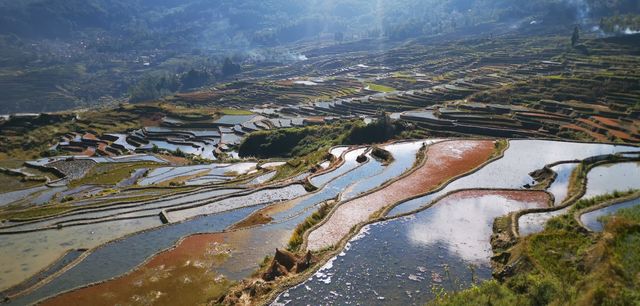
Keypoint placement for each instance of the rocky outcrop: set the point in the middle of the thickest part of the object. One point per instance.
(544, 177)
(361, 158)
(285, 263)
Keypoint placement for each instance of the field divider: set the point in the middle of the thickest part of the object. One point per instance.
(591, 162)
(605, 204)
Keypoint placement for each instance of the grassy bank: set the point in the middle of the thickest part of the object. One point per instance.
(297, 238)
(379, 88)
(564, 265)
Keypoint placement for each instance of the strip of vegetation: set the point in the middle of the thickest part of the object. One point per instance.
(565, 265)
(36, 212)
(297, 237)
(234, 112)
(112, 173)
(379, 88)
(576, 179)
(294, 142)
(299, 165)
(631, 213)
(499, 146)
(12, 183)
(586, 203)
(378, 131)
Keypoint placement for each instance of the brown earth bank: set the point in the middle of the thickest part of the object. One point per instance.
(444, 161)
(524, 196)
(180, 276)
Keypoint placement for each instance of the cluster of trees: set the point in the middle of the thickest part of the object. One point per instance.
(625, 24)
(378, 131)
(295, 142)
(156, 86)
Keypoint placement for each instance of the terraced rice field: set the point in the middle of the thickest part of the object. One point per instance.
(106, 223)
(202, 239)
(400, 261)
(512, 170)
(601, 180)
(443, 161)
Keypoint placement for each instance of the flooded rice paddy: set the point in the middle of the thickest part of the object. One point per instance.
(444, 161)
(215, 173)
(385, 263)
(262, 178)
(560, 186)
(611, 177)
(405, 261)
(601, 180)
(25, 254)
(512, 170)
(244, 247)
(404, 154)
(10, 197)
(176, 270)
(349, 163)
(259, 197)
(57, 266)
(120, 256)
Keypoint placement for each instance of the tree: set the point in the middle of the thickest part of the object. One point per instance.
(378, 131)
(144, 90)
(229, 68)
(575, 37)
(195, 78)
(152, 87)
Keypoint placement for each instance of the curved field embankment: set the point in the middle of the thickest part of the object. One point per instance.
(532, 220)
(444, 160)
(590, 218)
